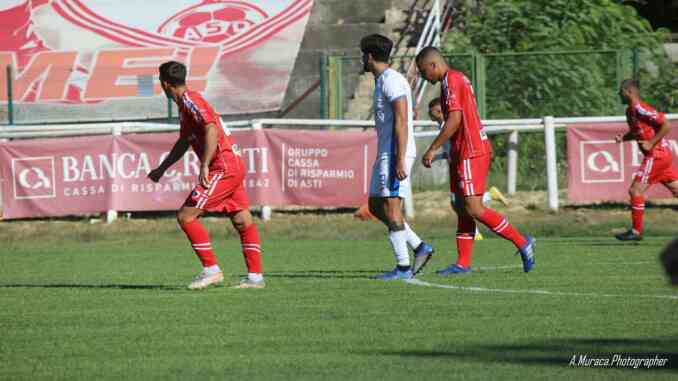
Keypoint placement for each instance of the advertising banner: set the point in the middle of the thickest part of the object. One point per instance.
(76, 60)
(85, 175)
(601, 169)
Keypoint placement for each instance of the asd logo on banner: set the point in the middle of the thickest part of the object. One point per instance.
(602, 161)
(33, 177)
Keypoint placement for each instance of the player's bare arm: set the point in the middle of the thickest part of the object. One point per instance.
(647, 145)
(451, 126)
(211, 137)
(179, 149)
(400, 134)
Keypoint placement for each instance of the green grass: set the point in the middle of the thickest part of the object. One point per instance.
(106, 304)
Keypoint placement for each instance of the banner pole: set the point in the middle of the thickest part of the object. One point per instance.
(512, 162)
(551, 162)
(10, 100)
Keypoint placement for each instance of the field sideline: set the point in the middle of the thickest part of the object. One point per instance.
(89, 302)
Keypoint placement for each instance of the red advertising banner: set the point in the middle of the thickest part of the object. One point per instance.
(74, 176)
(601, 169)
(75, 59)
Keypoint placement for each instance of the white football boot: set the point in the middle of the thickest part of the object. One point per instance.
(205, 279)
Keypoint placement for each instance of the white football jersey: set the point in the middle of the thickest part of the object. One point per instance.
(391, 85)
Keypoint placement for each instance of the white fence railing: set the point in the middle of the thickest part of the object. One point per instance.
(512, 127)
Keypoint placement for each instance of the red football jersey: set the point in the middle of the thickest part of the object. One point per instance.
(457, 95)
(644, 122)
(194, 115)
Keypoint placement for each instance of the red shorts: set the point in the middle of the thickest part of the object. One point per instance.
(225, 194)
(655, 170)
(468, 176)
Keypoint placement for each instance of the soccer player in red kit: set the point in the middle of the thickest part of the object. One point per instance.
(470, 157)
(648, 127)
(220, 187)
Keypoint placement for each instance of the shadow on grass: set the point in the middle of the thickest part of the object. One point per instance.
(617, 244)
(557, 352)
(618, 205)
(97, 286)
(325, 274)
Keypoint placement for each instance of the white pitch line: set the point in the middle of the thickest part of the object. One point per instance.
(418, 282)
(491, 268)
(485, 268)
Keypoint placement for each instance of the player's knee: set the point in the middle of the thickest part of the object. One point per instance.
(184, 218)
(240, 225)
(634, 192)
(241, 220)
(474, 211)
(394, 226)
(394, 217)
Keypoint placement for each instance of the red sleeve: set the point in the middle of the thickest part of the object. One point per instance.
(454, 91)
(650, 116)
(199, 110)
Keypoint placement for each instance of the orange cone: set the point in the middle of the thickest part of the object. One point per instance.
(363, 213)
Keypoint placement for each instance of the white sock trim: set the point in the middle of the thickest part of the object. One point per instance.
(212, 269)
(412, 238)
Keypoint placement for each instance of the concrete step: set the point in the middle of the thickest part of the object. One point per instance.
(336, 27)
(327, 12)
(344, 36)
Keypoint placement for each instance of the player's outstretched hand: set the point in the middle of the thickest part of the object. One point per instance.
(204, 176)
(401, 170)
(427, 159)
(156, 174)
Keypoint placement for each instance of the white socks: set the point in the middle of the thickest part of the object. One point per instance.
(399, 242)
(412, 238)
(212, 269)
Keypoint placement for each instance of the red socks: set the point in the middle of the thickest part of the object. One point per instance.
(200, 240)
(500, 225)
(251, 248)
(637, 210)
(466, 231)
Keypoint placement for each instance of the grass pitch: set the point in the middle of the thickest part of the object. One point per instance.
(83, 302)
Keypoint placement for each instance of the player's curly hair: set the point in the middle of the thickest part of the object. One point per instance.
(173, 72)
(378, 46)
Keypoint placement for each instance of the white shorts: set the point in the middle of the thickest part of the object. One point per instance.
(384, 182)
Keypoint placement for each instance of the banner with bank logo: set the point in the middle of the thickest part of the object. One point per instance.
(85, 175)
(76, 59)
(601, 169)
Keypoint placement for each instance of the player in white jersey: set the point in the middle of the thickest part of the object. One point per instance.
(395, 156)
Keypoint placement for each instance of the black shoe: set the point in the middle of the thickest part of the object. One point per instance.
(630, 235)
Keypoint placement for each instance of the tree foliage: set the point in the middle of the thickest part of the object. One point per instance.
(527, 76)
(533, 85)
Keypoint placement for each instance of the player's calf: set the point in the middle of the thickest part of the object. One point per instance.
(250, 243)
